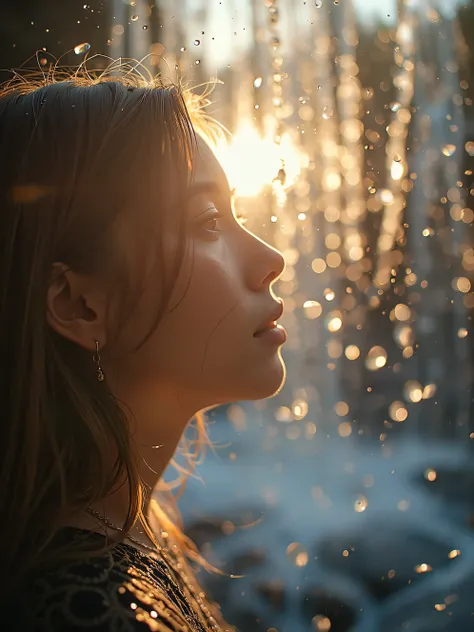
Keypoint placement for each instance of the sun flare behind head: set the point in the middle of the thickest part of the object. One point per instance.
(252, 162)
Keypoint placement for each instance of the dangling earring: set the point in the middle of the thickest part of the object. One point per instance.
(96, 358)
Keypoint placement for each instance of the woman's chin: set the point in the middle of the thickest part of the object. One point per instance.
(252, 384)
(265, 383)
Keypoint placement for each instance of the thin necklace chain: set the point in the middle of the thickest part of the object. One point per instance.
(178, 569)
(129, 537)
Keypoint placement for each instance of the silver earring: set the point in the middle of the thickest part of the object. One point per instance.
(96, 358)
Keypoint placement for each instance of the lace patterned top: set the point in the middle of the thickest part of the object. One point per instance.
(124, 590)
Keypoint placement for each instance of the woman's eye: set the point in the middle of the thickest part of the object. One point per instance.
(211, 224)
(210, 221)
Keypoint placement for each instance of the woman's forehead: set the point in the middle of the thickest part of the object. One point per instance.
(207, 169)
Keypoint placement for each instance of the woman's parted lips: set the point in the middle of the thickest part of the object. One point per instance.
(274, 314)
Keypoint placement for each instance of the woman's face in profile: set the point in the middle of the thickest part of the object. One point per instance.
(204, 350)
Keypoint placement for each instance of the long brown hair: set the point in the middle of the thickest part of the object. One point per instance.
(78, 149)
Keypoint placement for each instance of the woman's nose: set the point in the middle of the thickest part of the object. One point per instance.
(265, 265)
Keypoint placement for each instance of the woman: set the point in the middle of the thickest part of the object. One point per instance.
(131, 300)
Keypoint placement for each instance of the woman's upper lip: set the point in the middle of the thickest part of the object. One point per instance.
(274, 314)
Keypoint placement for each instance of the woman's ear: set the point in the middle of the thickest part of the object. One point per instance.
(76, 307)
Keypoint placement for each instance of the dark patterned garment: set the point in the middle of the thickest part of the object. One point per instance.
(124, 590)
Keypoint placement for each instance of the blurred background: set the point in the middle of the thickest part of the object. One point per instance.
(346, 501)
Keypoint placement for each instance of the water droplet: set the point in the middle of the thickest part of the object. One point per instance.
(258, 82)
(80, 49)
(376, 358)
(449, 150)
(183, 48)
(423, 568)
(333, 322)
(352, 352)
(281, 176)
(300, 409)
(327, 113)
(312, 309)
(197, 42)
(386, 196)
(397, 411)
(274, 16)
(413, 391)
(469, 147)
(145, 27)
(134, 18)
(321, 623)
(297, 554)
(197, 62)
(133, 3)
(318, 4)
(361, 503)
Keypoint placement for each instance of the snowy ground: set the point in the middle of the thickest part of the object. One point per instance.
(331, 532)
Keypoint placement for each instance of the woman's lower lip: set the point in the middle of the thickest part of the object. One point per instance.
(275, 335)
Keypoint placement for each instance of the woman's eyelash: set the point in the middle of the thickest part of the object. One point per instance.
(215, 216)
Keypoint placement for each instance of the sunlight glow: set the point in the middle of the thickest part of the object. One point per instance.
(252, 162)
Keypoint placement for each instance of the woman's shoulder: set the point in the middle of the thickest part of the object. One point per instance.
(122, 590)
